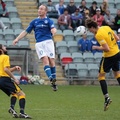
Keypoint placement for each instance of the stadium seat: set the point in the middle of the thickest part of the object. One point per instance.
(65, 58)
(82, 70)
(10, 44)
(24, 43)
(117, 3)
(16, 23)
(55, 22)
(77, 57)
(12, 12)
(1, 34)
(113, 11)
(18, 31)
(43, 1)
(93, 70)
(68, 35)
(97, 57)
(6, 21)
(70, 70)
(61, 47)
(58, 36)
(9, 3)
(88, 57)
(72, 46)
(3, 42)
(9, 34)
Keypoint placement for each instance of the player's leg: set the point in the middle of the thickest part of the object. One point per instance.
(22, 101)
(12, 105)
(41, 52)
(104, 67)
(50, 51)
(53, 72)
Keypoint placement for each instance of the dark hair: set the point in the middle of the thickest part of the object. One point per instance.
(90, 23)
(0, 49)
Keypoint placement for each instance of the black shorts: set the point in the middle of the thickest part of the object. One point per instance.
(109, 63)
(8, 86)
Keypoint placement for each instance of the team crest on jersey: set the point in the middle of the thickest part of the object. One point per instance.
(41, 52)
(46, 21)
(51, 54)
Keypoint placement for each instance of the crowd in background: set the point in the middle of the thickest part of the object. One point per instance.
(71, 16)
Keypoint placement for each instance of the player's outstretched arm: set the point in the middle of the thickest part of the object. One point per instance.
(16, 68)
(116, 37)
(21, 35)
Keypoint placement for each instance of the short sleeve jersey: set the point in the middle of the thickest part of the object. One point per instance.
(42, 28)
(4, 62)
(106, 35)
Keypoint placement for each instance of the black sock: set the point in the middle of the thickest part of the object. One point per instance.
(13, 101)
(118, 79)
(22, 105)
(104, 87)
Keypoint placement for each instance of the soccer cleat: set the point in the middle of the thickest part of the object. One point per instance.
(13, 112)
(53, 85)
(24, 115)
(107, 103)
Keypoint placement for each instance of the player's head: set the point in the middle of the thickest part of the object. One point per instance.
(3, 49)
(91, 25)
(42, 10)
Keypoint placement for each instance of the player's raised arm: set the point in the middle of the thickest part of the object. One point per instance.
(21, 35)
(116, 37)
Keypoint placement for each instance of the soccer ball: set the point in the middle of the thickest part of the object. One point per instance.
(81, 30)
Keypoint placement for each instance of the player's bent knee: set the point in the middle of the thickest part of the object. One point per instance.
(21, 94)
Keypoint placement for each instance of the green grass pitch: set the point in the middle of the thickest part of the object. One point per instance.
(72, 102)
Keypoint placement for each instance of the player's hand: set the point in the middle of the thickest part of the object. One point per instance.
(94, 47)
(16, 81)
(53, 30)
(15, 42)
(18, 68)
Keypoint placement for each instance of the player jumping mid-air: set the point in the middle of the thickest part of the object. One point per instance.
(43, 29)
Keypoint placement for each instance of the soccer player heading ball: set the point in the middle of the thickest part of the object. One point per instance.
(111, 55)
(44, 29)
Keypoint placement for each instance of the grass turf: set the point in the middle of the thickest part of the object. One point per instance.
(68, 103)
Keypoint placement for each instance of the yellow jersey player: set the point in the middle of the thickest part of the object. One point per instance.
(9, 84)
(111, 55)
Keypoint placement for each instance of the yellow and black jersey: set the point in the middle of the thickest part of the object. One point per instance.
(4, 62)
(106, 35)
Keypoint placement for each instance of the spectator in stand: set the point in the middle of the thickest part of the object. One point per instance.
(60, 7)
(93, 8)
(82, 7)
(85, 16)
(71, 7)
(117, 20)
(94, 43)
(76, 18)
(98, 17)
(2, 26)
(3, 9)
(64, 21)
(104, 7)
(52, 13)
(118, 42)
(84, 44)
(109, 19)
